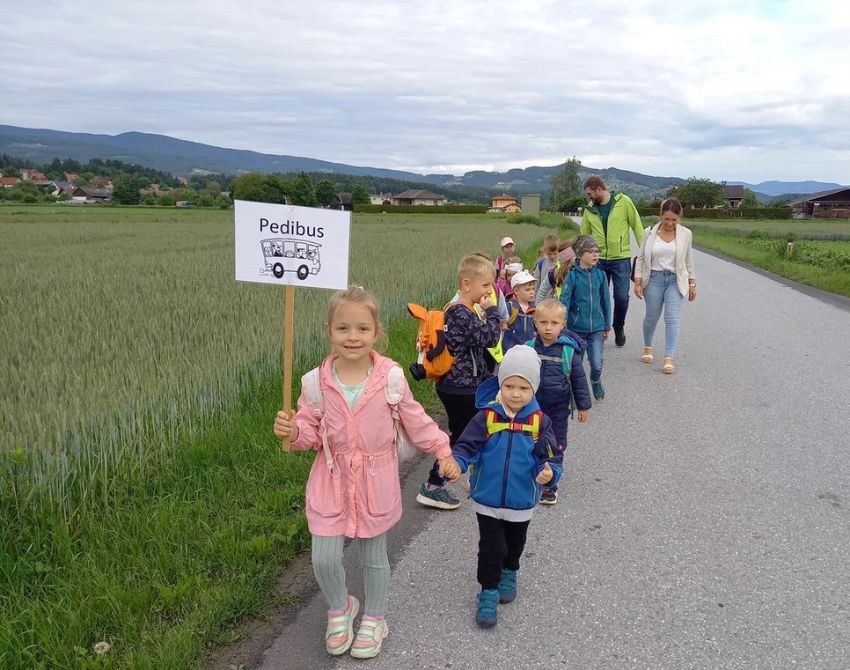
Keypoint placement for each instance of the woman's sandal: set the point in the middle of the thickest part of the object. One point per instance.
(647, 355)
(340, 634)
(668, 368)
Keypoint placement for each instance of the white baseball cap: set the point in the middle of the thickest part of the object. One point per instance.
(505, 241)
(521, 277)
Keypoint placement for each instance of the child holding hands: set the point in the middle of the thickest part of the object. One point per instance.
(511, 444)
(353, 489)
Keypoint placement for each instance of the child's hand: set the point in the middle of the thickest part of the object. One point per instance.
(285, 426)
(450, 469)
(503, 326)
(605, 334)
(582, 415)
(486, 301)
(545, 475)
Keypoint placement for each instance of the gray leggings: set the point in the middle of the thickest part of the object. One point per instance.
(327, 566)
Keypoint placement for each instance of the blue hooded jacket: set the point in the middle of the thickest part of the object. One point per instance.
(587, 299)
(508, 461)
(555, 388)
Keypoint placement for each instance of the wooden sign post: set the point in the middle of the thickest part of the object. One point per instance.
(288, 328)
(293, 246)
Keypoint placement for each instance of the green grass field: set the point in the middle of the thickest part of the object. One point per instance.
(144, 500)
(820, 256)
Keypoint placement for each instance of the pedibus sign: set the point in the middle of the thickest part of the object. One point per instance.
(285, 244)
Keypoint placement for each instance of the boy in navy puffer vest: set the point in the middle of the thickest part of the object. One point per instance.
(563, 383)
(512, 447)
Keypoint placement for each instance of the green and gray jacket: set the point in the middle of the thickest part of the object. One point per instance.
(623, 215)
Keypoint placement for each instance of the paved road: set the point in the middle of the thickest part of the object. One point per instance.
(704, 522)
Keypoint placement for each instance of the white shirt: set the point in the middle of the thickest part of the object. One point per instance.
(664, 255)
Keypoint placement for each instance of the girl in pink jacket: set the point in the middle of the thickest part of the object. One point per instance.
(353, 489)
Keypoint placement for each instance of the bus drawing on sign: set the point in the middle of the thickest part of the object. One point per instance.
(298, 256)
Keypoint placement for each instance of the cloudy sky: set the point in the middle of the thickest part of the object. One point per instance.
(719, 89)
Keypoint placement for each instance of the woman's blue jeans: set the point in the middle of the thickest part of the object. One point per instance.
(662, 291)
(594, 353)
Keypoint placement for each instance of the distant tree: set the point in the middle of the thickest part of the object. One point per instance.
(213, 188)
(572, 179)
(250, 186)
(325, 193)
(166, 199)
(751, 200)
(125, 191)
(641, 202)
(700, 193)
(301, 190)
(359, 195)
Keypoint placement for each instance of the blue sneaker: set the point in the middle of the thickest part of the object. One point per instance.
(507, 586)
(437, 497)
(487, 608)
(598, 389)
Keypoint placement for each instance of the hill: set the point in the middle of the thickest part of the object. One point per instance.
(184, 158)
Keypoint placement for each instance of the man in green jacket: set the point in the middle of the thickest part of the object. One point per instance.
(608, 217)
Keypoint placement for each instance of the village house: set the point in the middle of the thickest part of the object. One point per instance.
(8, 182)
(381, 199)
(834, 204)
(419, 197)
(101, 182)
(63, 187)
(33, 175)
(505, 203)
(734, 195)
(71, 177)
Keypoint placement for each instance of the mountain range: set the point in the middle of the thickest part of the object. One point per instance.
(182, 158)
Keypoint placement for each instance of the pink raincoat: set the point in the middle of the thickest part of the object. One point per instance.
(359, 495)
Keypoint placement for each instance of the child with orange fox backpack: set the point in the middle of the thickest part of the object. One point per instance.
(458, 364)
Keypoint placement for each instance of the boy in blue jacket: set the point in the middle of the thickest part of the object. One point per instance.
(588, 302)
(563, 383)
(511, 444)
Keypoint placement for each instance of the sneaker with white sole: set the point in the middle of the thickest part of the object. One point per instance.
(548, 497)
(438, 498)
(370, 636)
(340, 631)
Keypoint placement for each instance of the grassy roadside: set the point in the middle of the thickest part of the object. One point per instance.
(767, 253)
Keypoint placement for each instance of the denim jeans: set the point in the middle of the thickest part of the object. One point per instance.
(619, 272)
(662, 291)
(594, 353)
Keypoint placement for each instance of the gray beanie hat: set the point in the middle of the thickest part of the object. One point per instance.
(584, 243)
(521, 361)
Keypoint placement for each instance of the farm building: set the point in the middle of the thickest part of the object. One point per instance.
(414, 197)
(832, 204)
(91, 194)
(734, 195)
(381, 199)
(342, 201)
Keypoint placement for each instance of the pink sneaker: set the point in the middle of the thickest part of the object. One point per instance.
(340, 631)
(370, 637)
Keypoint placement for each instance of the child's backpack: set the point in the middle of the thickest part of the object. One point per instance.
(433, 360)
(311, 389)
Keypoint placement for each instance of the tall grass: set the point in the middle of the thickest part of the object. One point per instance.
(142, 500)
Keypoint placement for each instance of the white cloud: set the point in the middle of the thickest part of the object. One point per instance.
(752, 90)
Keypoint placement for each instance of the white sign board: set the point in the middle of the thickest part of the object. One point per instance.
(284, 244)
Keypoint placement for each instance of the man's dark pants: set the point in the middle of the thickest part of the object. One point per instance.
(619, 273)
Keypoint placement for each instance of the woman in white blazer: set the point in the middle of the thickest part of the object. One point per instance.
(664, 273)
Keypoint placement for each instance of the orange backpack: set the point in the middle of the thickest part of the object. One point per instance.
(434, 360)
